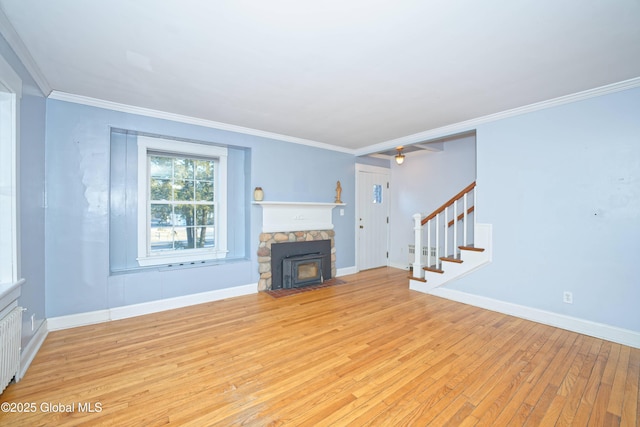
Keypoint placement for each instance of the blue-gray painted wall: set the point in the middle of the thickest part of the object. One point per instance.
(561, 187)
(78, 180)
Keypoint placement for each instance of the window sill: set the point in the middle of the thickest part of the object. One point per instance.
(9, 293)
(179, 266)
(178, 259)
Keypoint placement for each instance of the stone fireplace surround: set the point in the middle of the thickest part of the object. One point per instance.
(293, 222)
(268, 239)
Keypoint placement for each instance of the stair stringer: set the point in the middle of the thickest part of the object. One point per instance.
(471, 261)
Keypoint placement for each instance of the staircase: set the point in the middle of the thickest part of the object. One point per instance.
(449, 243)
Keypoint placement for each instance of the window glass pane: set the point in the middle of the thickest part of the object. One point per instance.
(160, 189)
(161, 239)
(204, 191)
(183, 168)
(204, 170)
(204, 237)
(183, 214)
(183, 190)
(161, 167)
(160, 215)
(204, 215)
(377, 193)
(184, 237)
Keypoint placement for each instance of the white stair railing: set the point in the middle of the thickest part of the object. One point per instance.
(439, 235)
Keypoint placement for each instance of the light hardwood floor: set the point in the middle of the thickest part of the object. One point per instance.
(368, 352)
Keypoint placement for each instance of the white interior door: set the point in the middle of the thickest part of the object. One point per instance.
(372, 218)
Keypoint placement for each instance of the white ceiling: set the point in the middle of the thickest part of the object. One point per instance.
(349, 73)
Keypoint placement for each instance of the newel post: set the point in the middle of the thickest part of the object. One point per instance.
(417, 266)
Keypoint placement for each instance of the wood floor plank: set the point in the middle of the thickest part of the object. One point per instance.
(630, 405)
(617, 388)
(573, 388)
(367, 352)
(541, 385)
(505, 386)
(556, 344)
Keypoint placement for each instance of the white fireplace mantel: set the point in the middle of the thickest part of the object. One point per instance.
(296, 216)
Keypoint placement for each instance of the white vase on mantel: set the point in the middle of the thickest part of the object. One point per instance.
(258, 194)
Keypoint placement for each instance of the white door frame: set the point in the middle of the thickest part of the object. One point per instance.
(373, 169)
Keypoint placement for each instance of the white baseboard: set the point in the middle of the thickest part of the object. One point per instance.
(116, 313)
(346, 271)
(399, 266)
(183, 301)
(78, 319)
(574, 324)
(354, 270)
(30, 351)
(123, 312)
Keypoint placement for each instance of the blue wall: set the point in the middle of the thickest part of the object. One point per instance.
(561, 187)
(31, 196)
(78, 176)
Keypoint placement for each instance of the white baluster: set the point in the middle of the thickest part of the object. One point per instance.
(417, 266)
(464, 220)
(438, 261)
(455, 228)
(445, 233)
(475, 215)
(429, 243)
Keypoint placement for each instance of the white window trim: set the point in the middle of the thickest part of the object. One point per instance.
(147, 144)
(11, 85)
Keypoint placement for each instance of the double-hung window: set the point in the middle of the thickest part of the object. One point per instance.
(181, 201)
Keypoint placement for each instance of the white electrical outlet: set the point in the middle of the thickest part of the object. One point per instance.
(567, 297)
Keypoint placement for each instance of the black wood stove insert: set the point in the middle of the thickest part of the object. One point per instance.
(298, 264)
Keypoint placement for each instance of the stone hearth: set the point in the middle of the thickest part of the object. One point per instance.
(267, 239)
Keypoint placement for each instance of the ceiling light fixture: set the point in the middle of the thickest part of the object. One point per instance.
(399, 156)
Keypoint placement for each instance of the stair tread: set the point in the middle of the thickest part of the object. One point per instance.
(433, 269)
(451, 259)
(471, 248)
(418, 279)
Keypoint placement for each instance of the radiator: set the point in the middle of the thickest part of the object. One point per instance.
(423, 255)
(10, 332)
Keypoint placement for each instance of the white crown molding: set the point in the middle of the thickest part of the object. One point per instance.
(444, 131)
(14, 40)
(148, 112)
(471, 124)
